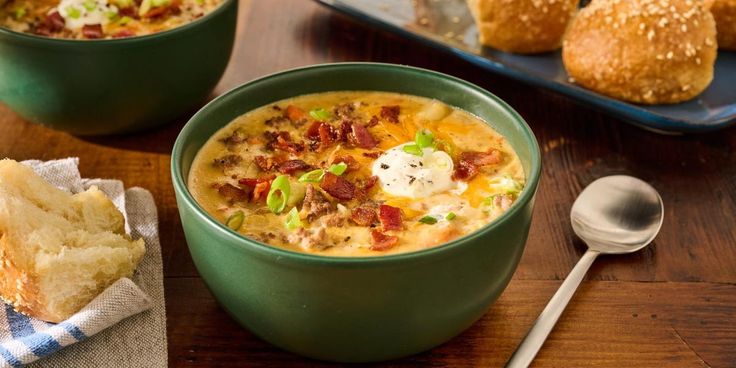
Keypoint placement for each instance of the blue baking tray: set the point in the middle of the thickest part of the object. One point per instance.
(448, 25)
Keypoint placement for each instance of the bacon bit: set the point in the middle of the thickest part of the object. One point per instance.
(265, 163)
(92, 31)
(390, 217)
(372, 154)
(469, 163)
(232, 193)
(362, 137)
(363, 216)
(257, 186)
(55, 22)
(295, 114)
(227, 161)
(346, 127)
(353, 164)
(282, 141)
(382, 241)
(390, 113)
(161, 10)
(338, 187)
(322, 133)
(292, 166)
(123, 34)
(492, 157)
(128, 12)
(373, 122)
(370, 182)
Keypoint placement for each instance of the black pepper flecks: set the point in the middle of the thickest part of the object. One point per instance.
(384, 166)
(412, 179)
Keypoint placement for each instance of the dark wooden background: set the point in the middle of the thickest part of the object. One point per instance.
(671, 305)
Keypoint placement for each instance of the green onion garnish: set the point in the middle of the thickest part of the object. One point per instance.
(156, 3)
(279, 194)
(111, 15)
(292, 219)
(505, 184)
(19, 12)
(124, 20)
(73, 12)
(90, 5)
(338, 169)
(450, 216)
(413, 149)
(320, 114)
(235, 221)
(314, 176)
(429, 220)
(424, 138)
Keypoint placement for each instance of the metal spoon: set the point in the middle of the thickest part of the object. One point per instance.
(613, 215)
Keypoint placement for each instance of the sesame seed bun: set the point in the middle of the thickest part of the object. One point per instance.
(522, 26)
(724, 12)
(642, 51)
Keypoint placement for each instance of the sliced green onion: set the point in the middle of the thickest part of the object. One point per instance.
(450, 216)
(338, 169)
(320, 114)
(429, 220)
(19, 12)
(292, 219)
(111, 15)
(73, 12)
(279, 194)
(505, 185)
(413, 149)
(90, 5)
(424, 138)
(156, 3)
(235, 221)
(314, 176)
(125, 20)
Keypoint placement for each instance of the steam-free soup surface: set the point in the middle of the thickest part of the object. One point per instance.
(356, 174)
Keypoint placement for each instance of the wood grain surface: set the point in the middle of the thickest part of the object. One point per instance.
(671, 305)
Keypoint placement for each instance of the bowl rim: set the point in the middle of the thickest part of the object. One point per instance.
(243, 243)
(126, 40)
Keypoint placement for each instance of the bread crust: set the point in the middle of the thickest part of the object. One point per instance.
(522, 26)
(642, 51)
(724, 12)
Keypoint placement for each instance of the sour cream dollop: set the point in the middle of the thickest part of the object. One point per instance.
(78, 13)
(404, 174)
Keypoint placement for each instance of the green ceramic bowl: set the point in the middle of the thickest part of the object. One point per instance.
(356, 309)
(94, 87)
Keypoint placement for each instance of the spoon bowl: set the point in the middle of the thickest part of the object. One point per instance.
(617, 214)
(613, 215)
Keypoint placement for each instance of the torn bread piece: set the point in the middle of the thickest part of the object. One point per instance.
(58, 250)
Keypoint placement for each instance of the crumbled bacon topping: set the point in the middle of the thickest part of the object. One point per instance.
(381, 241)
(469, 163)
(322, 133)
(292, 166)
(265, 163)
(390, 217)
(372, 154)
(361, 137)
(92, 31)
(338, 187)
(390, 113)
(363, 216)
(295, 114)
(259, 187)
(282, 141)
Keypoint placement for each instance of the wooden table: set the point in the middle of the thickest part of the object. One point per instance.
(671, 305)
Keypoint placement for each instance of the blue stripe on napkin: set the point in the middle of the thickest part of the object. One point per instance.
(40, 344)
(12, 360)
(73, 330)
(20, 324)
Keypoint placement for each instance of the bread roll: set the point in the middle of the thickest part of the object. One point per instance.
(522, 26)
(724, 12)
(58, 251)
(643, 51)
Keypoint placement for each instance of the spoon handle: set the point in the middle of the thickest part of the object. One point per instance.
(527, 350)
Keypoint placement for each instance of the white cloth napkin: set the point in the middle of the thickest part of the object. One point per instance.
(89, 339)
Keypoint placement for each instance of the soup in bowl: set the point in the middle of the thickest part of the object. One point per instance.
(88, 74)
(260, 170)
(356, 173)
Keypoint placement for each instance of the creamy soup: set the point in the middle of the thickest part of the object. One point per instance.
(356, 174)
(92, 19)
